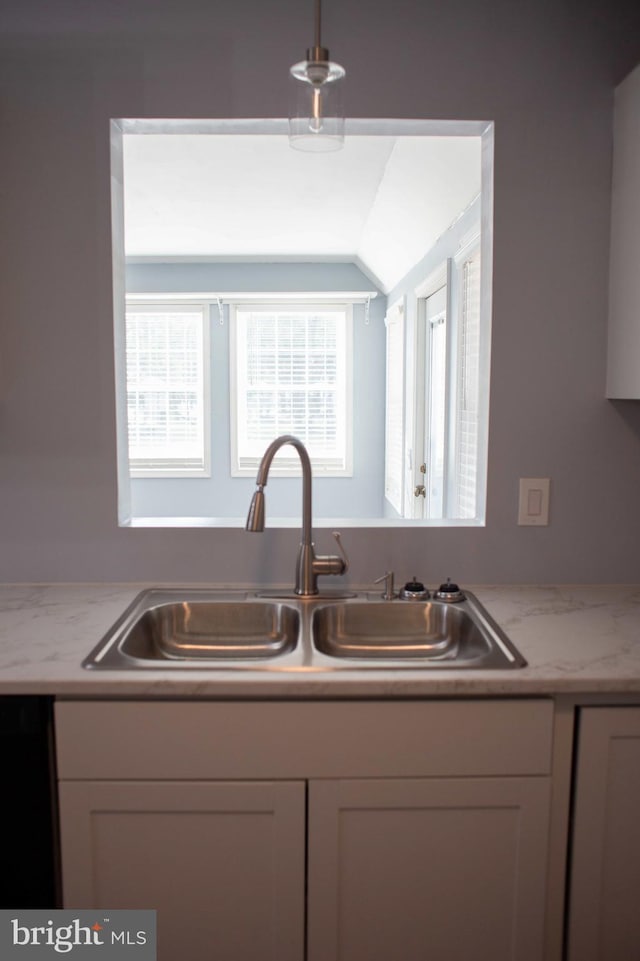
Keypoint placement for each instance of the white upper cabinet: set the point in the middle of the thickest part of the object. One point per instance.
(623, 362)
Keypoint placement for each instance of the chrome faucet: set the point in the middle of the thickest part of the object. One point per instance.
(309, 565)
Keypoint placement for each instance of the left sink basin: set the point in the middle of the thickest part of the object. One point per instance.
(159, 629)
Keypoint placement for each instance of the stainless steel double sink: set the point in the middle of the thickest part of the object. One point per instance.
(242, 630)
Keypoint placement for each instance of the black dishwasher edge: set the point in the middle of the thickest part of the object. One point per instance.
(28, 804)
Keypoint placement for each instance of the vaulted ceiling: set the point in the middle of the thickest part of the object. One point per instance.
(381, 201)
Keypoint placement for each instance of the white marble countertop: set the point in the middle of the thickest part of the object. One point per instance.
(576, 639)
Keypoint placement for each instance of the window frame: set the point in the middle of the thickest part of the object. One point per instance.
(449, 273)
(129, 514)
(285, 465)
(202, 309)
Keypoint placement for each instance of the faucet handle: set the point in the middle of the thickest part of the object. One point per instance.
(338, 537)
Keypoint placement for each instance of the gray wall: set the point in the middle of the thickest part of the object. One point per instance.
(543, 70)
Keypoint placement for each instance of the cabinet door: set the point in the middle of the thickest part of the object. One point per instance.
(604, 921)
(427, 869)
(222, 863)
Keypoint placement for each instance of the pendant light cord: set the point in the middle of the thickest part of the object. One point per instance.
(317, 24)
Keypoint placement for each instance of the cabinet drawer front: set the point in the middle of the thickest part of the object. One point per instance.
(179, 739)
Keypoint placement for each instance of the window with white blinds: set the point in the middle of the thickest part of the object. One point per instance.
(468, 377)
(291, 374)
(166, 387)
(394, 408)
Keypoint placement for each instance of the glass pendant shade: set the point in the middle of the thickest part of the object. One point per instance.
(316, 118)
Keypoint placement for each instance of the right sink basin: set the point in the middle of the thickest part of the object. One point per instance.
(426, 633)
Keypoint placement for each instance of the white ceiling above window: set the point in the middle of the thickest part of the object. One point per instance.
(381, 202)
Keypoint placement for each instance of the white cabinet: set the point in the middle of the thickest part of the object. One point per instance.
(423, 825)
(623, 360)
(604, 921)
(421, 868)
(221, 863)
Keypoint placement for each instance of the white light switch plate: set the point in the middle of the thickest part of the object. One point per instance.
(533, 508)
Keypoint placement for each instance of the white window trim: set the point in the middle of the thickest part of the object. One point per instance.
(247, 297)
(285, 466)
(155, 303)
(393, 466)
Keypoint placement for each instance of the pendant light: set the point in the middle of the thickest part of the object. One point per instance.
(316, 120)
